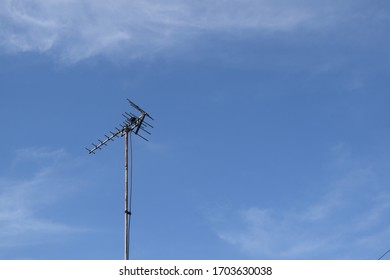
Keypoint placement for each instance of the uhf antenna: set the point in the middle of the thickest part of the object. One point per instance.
(135, 124)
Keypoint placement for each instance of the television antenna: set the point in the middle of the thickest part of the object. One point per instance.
(135, 124)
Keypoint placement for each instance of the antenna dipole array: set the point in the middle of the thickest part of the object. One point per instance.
(132, 123)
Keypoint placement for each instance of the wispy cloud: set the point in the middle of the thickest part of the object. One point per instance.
(24, 202)
(76, 30)
(348, 221)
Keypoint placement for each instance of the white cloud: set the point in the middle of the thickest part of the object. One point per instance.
(36, 154)
(347, 221)
(76, 30)
(24, 202)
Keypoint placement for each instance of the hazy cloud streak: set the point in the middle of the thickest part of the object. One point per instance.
(347, 221)
(75, 30)
(24, 202)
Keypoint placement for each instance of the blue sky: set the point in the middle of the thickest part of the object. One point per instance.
(270, 141)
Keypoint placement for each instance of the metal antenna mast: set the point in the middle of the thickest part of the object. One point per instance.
(133, 124)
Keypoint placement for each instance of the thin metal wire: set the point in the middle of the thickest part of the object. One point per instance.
(384, 255)
(131, 189)
(127, 213)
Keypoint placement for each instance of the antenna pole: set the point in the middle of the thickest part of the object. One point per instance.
(131, 124)
(127, 213)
